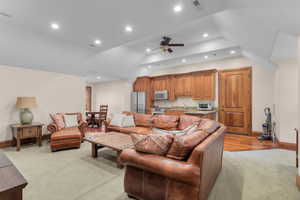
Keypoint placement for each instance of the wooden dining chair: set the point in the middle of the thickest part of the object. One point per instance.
(103, 115)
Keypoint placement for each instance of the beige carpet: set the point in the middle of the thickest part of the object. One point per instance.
(74, 175)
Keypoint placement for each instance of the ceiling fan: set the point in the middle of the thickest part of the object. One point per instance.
(166, 44)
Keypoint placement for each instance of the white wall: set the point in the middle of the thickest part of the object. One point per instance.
(298, 91)
(262, 87)
(55, 92)
(116, 94)
(286, 100)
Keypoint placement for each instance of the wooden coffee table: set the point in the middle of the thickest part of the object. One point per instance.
(113, 140)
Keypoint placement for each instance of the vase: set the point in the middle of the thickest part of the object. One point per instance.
(26, 116)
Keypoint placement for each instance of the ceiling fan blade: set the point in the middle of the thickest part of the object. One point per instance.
(176, 45)
(170, 50)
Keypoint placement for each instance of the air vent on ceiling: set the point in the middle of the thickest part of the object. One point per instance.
(3, 14)
(196, 3)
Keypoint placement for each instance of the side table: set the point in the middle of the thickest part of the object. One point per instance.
(25, 131)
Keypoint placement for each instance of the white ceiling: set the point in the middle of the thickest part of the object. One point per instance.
(264, 29)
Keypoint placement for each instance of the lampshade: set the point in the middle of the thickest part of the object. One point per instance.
(26, 102)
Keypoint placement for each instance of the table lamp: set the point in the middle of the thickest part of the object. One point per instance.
(25, 103)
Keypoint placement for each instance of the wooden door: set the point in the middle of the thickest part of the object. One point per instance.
(88, 98)
(235, 100)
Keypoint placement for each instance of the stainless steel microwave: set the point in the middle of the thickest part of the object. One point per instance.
(161, 95)
(205, 106)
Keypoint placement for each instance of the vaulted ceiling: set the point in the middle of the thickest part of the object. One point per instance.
(261, 29)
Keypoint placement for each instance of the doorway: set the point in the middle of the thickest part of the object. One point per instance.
(88, 98)
(235, 100)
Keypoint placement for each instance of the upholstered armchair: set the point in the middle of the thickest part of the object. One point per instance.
(67, 137)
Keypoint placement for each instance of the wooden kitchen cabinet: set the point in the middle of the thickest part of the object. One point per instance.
(174, 112)
(143, 84)
(203, 85)
(183, 85)
(164, 83)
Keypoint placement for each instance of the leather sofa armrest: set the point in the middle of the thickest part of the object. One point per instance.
(82, 128)
(209, 156)
(170, 168)
(52, 128)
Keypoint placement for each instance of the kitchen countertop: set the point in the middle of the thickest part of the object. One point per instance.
(201, 112)
(187, 110)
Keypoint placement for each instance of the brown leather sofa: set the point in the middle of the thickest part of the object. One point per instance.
(155, 177)
(67, 137)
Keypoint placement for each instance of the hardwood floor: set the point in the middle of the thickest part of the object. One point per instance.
(235, 142)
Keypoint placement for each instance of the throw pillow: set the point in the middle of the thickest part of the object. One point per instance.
(183, 145)
(208, 125)
(71, 121)
(187, 120)
(152, 143)
(128, 121)
(117, 120)
(58, 119)
(189, 129)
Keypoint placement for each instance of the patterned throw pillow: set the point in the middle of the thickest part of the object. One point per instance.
(128, 121)
(189, 129)
(71, 120)
(208, 125)
(183, 145)
(58, 119)
(152, 143)
(187, 120)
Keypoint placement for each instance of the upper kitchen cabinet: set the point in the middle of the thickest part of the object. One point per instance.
(164, 83)
(142, 84)
(203, 85)
(183, 85)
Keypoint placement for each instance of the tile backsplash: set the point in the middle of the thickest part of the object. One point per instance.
(180, 102)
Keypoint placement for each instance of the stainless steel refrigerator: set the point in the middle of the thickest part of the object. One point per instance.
(138, 102)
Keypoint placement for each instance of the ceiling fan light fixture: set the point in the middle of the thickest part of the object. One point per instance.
(148, 50)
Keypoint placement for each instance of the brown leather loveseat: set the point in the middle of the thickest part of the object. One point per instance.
(155, 177)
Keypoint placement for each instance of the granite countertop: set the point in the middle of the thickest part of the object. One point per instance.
(189, 110)
(199, 112)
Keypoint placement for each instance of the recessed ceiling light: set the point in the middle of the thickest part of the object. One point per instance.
(177, 8)
(148, 50)
(183, 60)
(205, 35)
(97, 42)
(128, 29)
(205, 57)
(98, 77)
(54, 26)
(232, 52)
(149, 66)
